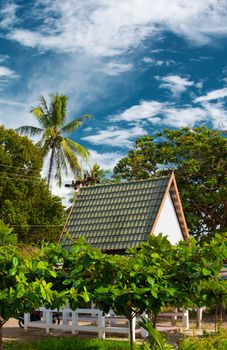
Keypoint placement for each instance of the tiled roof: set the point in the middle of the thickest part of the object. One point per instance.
(116, 216)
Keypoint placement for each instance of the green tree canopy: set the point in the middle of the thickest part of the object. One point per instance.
(25, 202)
(199, 160)
(52, 129)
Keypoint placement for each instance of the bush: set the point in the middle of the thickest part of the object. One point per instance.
(72, 344)
(206, 342)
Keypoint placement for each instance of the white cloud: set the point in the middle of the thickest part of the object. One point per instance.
(115, 137)
(110, 27)
(106, 160)
(147, 110)
(7, 72)
(3, 58)
(213, 95)
(217, 113)
(156, 62)
(185, 116)
(166, 114)
(11, 102)
(115, 68)
(8, 15)
(175, 84)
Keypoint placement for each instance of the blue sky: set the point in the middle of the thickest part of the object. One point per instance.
(137, 65)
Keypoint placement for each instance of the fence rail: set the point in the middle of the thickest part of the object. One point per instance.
(92, 320)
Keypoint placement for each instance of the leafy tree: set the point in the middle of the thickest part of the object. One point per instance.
(18, 291)
(198, 158)
(43, 279)
(62, 149)
(25, 202)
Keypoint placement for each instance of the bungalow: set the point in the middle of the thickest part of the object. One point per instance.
(114, 217)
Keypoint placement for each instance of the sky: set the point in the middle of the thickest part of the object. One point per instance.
(137, 66)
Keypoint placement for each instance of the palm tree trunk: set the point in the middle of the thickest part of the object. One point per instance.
(50, 166)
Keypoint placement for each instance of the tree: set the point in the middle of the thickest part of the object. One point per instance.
(42, 280)
(62, 149)
(18, 291)
(198, 158)
(25, 202)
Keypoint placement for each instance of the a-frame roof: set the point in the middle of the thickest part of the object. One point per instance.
(118, 216)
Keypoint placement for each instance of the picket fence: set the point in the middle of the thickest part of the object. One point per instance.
(93, 321)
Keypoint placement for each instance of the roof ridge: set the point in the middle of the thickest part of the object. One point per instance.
(127, 182)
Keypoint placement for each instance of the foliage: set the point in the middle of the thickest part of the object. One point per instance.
(25, 202)
(195, 272)
(26, 284)
(71, 344)
(156, 339)
(53, 128)
(198, 158)
(210, 342)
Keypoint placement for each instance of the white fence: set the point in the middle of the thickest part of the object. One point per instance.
(92, 321)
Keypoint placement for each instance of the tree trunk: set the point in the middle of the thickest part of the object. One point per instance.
(130, 333)
(50, 167)
(154, 320)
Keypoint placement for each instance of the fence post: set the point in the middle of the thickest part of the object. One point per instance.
(134, 329)
(48, 321)
(101, 326)
(26, 321)
(199, 317)
(185, 318)
(174, 318)
(64, 317)
(74, 322)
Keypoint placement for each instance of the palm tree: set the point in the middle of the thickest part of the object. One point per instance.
(62, 150)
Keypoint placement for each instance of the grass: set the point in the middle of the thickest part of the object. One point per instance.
(54, 343)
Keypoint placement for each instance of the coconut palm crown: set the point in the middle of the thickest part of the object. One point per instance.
(63, 151)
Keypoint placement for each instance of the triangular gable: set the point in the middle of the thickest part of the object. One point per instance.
(170, 218)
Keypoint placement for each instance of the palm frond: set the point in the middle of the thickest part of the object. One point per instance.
(41, 113)
(44, 105)
(44, 148)
(76, 123)
(78, 149)
(29, 130)
(58, 109)
(70, 156)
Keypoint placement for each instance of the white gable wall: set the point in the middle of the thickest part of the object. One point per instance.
(168, 223)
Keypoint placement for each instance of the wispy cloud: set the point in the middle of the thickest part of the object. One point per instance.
(176, 84)
(8, 16)
(6, 75)
(7, 72)
(116, 137)
(217, 113)
(11, 102)
(213, 95)
(168, 114)
(116, 68)
(156, 62)
(3, 58)
(145, 110)
(106, 160)
(107, 28)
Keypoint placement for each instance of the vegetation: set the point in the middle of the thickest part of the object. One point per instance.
(208, 342)
(198, 158)
(25, 202)
(62, 149)
(72, 344)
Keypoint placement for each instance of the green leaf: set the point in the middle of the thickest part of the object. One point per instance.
(206, 272)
